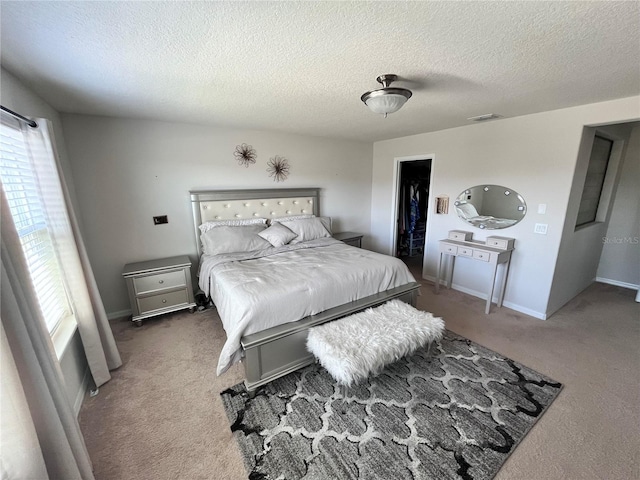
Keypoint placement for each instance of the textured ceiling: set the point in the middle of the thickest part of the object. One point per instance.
(301, 66)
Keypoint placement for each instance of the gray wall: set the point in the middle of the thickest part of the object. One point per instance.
(22, 100)
(127, 171)
(534, 154)
(620, 260)
(580, 249)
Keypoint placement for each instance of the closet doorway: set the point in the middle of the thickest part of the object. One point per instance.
(412, 200)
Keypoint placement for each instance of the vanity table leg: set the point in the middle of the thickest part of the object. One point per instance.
(453, 262)
(504, 281)
(493, 283)
(438, 274)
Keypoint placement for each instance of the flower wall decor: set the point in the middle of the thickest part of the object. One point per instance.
(278, 168)
(245, 154)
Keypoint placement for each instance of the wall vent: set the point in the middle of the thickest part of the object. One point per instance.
(485, 117)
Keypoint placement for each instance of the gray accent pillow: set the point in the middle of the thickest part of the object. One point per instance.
(277, 235)
(306, 229)
(230, 239)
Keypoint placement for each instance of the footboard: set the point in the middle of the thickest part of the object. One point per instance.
(280, 350)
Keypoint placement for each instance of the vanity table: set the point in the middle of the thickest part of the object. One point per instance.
(494, 251)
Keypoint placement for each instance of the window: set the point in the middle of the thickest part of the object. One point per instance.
(594, 182)
(20, 185)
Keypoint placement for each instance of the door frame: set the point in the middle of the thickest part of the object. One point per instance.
(395, 205)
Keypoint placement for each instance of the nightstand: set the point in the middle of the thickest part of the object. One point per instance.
(350, 238)
(159, 286)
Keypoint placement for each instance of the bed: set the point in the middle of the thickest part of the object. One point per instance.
(269, 296)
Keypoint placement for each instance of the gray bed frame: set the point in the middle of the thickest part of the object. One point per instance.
(280, 350)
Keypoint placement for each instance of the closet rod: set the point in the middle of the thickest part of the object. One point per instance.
(26, 120)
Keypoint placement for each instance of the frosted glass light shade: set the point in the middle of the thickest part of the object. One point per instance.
(387, 99)
(384, 104)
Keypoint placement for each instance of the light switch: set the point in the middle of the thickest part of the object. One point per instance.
(541, 228)
(542, 208)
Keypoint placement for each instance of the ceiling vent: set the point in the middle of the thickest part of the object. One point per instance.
(485, 117)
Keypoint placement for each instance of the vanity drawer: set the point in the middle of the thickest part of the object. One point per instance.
(464, 251)
(162, 300)
(450, 249)
(480, 255)
(504, 243)
(460, 235)
(149, 283)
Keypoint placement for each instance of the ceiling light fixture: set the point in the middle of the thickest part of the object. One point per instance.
(387, 99)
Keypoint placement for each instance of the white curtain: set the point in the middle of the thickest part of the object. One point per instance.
(93, 325)
(40, 436)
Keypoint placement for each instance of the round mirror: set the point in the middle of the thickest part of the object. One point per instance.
(490, 206)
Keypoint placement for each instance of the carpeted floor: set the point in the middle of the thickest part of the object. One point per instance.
(456, 412)
(161, 416)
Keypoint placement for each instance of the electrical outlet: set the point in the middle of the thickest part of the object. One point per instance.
(541, 228)
(159, 220)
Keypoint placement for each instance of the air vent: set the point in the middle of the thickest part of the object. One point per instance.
(485, 117)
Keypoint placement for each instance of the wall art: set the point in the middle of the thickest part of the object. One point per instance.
(278, 168)
(245, 154)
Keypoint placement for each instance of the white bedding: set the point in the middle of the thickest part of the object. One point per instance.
(487, 221)
(254, 291)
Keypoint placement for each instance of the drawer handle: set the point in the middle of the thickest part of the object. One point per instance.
(164, 301)
(161, 281)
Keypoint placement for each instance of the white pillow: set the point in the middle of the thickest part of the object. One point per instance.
(205, 227)
(306, 229)
(277, 235)
(291, 217)
(467, 210)
(229, 239)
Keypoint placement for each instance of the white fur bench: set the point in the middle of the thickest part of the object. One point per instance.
(356, 346)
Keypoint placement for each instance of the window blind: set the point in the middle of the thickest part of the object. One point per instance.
(20, 184)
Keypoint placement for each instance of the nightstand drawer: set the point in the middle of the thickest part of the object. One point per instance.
(159, 281)
(354, 242)
(162, 300)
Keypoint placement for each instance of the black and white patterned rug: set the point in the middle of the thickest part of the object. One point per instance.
(456, 413)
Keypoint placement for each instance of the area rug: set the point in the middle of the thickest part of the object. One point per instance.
(455, 413)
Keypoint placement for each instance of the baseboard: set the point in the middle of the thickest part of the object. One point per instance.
(119, 314)
(483, 295)
(617, 283)
(84, 386)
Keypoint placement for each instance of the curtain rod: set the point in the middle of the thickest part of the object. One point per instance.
(26, 120)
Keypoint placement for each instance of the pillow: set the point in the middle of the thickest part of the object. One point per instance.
(237, 222)
(228, 239)
(277, 235)
(466, 210)
(306, 229)
(326, 222)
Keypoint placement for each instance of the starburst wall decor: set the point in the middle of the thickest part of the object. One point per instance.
(245, 154)
(278, 168)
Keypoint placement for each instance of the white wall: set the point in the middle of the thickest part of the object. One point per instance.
(620, 260)
(127, 171)
(534, 154)
(18, 98)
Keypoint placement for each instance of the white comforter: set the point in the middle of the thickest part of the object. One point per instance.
(258, 290)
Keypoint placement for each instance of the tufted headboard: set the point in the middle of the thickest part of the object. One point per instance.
(210, 205)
